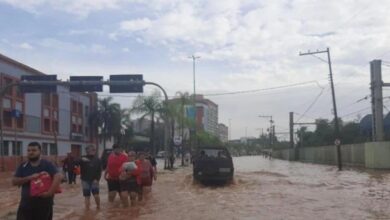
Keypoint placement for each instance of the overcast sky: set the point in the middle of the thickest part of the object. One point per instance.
(244, 45)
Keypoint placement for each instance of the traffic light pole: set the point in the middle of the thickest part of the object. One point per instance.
(167, 127)
(80, 83)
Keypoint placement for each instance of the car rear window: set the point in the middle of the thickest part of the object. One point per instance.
(221, 153)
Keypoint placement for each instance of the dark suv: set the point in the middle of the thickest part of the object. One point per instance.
(213, 164)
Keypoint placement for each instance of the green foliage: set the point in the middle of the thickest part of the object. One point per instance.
(324, 134)
(112, 121)
(207, 139)
(150, 106)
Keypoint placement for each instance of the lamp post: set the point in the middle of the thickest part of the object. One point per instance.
(193, 57)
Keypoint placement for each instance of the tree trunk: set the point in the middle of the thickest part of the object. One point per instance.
(104, 135)
(152, 148)
(182, 136)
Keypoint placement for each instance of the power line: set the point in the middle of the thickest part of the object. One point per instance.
(264, 89)
(311, 105)
(363, 109)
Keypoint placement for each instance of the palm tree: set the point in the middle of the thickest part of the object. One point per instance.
(149, 106)
(183, 100)
(123, 131)
(109, 118)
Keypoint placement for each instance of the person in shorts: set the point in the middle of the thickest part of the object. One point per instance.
(130, 181)
(90, 174)
(146, 173)
(114, 164)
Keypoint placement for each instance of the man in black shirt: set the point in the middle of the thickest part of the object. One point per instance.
(91, 172)
(35, 207)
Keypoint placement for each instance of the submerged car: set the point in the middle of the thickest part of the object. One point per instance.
(213, 164)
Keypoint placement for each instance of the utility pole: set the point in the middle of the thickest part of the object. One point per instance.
(292, 145)
(193, 57)
(291, 129)
(336, 121)
(377, 100)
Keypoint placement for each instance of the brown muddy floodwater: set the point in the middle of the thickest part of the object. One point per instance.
(262, 189)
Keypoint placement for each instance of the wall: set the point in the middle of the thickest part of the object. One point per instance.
(352, 155)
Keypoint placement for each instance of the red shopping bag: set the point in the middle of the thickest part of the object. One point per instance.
(41, 184)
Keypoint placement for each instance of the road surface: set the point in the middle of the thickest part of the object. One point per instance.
(262, 189)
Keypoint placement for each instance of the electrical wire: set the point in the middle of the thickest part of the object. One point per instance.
(264, 89)
(311, 105)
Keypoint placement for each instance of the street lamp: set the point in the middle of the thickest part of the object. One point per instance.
(230, 129)
(193, 57)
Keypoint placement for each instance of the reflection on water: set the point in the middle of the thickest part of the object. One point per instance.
(262, 189)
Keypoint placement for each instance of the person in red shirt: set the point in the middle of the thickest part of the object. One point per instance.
(114, 164)
(129, 179)
(146, 173)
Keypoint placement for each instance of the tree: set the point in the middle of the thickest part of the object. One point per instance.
(206, 139)
(178, 110)
(123, 131)
(107, 116)
(149, 106)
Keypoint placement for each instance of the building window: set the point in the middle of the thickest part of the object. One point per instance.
(17, 148)
(55, 126)
(7, 117)
(77, 117)
(46, 125)
(46, 99)
(13, 99)
(74, 106)
(20, 122)
(8, 81)
(53, 149)
(7, 103)
(55, 101)
(50, 113)
(80, 108)
(5, 151)
(45, 148)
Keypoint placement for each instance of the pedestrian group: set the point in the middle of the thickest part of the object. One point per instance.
(126, 173)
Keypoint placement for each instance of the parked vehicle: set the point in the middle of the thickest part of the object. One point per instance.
(213, 164)
(160, 154)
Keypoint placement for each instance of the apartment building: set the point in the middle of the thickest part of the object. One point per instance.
(60, 121)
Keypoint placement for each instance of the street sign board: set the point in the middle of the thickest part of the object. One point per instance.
(98, 87)
(337, 142)
(37, 88)
(190, 110)
(137, 87)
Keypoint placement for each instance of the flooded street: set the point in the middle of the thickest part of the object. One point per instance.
(262, 189)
